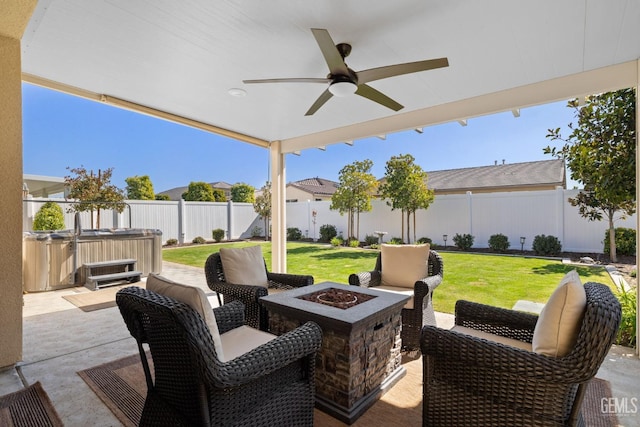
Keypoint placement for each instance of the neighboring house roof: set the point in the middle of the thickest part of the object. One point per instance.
(176, 193)
(221, 185)
(316, 186)
(538, 175)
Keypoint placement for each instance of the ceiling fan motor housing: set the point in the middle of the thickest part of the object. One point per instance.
(344, 49)
(341, 78)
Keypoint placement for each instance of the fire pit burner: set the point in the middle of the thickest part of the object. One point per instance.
(339, 298)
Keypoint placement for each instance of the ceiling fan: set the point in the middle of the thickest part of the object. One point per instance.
(343, 81)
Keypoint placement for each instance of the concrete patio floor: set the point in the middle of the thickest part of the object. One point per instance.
(59, 340)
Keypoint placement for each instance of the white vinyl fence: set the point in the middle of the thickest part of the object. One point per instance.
(514, 214)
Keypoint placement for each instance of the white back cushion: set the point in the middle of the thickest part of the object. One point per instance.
(403, 265)
(193, 297)
(244, 266)
(559, 322)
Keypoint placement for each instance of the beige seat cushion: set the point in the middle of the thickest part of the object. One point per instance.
(492, 337)
(239, 341)
(559, 322)
(193, 297)
(403, 265)
(244, 266)
(398, 290)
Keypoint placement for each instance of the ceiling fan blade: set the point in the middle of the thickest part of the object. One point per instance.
(331, 54)
(372, 74)
(379, 97)
(293, 80)
(326, 95)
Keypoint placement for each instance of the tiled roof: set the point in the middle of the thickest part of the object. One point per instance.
(528, 174)
(317, 186)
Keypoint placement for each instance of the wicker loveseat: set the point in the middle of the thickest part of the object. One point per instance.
(273, 384)
(413, 319)
(474, 381)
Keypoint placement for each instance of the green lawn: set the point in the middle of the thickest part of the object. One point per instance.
(490, 279)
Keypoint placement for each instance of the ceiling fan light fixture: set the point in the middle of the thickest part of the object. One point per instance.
(343, 88)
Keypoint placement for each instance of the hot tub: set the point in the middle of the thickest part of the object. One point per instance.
(54, 260)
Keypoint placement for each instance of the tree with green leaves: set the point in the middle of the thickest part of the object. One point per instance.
(600, 152)
(355, 189)
(243, 193)
(93, 192)
(405, 188)
(139, 188)
(262, 206)
(218, 195)
(199, 191)
(162, 197)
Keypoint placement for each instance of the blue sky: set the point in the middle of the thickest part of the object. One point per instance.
(61, 131)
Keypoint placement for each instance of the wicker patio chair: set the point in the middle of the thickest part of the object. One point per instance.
(271, 385)
(256, 315)
(473, 381)
(422, 312)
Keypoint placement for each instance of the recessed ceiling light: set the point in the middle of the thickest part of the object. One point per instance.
(234, 91)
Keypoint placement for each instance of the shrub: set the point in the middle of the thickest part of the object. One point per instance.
(424, 240)
(256, 231)
(336, 241)
(217, 234)
(354, 243)
(49, 217)
(374, 246)
(499, 243)
(370, 240)
(294, 233)
(463, 241)
(327, 232)
(625, 241)
(627, 332)
(198, 240)
(172, 242)
(546, 245)
(395, 241)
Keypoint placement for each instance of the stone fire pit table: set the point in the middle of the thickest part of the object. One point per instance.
(360, 356)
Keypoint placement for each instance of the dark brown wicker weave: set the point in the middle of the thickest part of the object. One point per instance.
(422, 314)
(471, 381)
(255, 314)
(272, 385)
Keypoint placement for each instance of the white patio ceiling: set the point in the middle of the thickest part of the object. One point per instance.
(182, 57)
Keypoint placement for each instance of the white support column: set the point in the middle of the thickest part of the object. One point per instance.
(278, 209)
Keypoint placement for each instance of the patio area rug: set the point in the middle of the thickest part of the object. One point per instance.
(121, 386)
(30, 407)
(97, 300)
